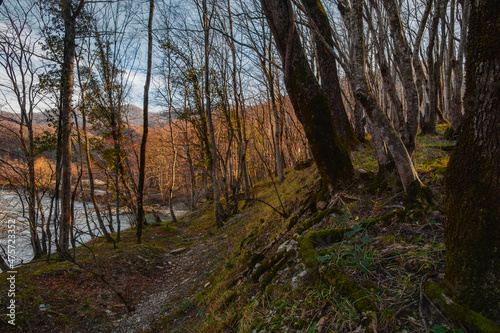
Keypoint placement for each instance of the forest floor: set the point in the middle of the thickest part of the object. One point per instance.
(261, 272)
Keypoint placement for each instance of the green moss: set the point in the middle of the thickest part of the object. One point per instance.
(308, 245)
(348, 287)
(317, 218)
(28, 292)
(272, 273)
(266, 265)
(368, 284)
(390, 217)
(170, 228)
(458, 312)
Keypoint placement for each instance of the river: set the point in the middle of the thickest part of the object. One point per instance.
(11, 213)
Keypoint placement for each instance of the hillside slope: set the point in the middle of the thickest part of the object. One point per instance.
(287, 262)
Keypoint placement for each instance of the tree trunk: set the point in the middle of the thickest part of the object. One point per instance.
(145, 125)
(472, 197)
(359, 122)
(420, 80)
(69, 16)
(428, 125)
(323, 42)
(457, 105)
(309, 102)
(409, 177)
(403, 56)
(208, 112)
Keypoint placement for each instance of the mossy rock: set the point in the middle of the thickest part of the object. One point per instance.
(308, 244)
(270, 275)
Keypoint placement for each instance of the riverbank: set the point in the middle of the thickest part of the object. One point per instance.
(103, 284)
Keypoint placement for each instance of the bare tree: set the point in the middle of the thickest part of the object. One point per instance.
(142, 162)
(310, 103)
(70, 12)
(409, 177)
(17, 59)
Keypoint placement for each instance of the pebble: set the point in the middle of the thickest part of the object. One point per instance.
(179, 250)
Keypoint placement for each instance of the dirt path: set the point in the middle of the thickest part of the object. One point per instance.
(186, 271)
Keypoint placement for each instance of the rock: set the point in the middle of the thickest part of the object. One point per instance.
(292, 245)
(322, 205)
(282, 248)
(297, 280)
(287, 246)
(321, 326)
(303, 275)
(178, 251)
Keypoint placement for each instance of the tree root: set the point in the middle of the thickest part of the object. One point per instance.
(457, 312)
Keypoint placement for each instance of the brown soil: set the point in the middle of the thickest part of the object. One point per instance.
(154, 278)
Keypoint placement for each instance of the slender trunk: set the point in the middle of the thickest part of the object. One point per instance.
(450, 59)
(409, 177)
(208, 112)
(69, 16)
(89, 165)
(420, 80)
(32, 207)
(428, 124)
(403, 56)
(145, 125)
(43, 225)
(457, 105)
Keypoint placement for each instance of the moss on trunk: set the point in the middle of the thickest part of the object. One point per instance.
(309, 102)
(458, 312)
(472, 197)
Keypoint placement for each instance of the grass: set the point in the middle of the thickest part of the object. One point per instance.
(387, 260)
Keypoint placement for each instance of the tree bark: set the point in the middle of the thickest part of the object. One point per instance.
(403, 56)
(67, 79)
(208, 112)
(145, 125)
(457, 105)
(428, 125)
(409, 177)
(309, 102)
(323, 42)
(472, 196)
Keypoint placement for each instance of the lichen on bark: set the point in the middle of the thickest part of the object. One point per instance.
(472, 193)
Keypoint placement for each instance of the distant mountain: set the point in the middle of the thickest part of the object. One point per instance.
(38, 117)
(132, 113)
